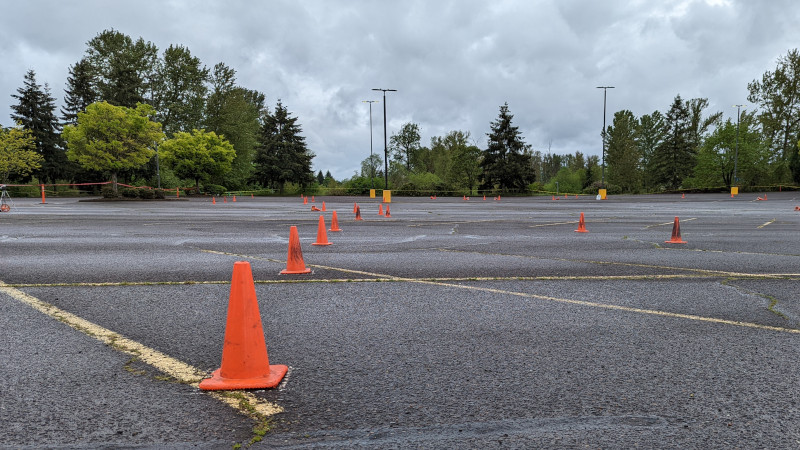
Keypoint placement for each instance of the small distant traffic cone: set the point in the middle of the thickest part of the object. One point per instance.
(388, 214)
(323, 206)
(676, 234)
(683, 195)
(464, 198)
(484, 197)
(305, 200)
(251, 195)
(797, 208)
(498, 197)
(213, 200)
(554, 197)
(576, 196)
(335, 222)
(225, 199)
(322, 236)
(355, 207)
(358, 213)
(312, 199)
(581, 226)
(245, 362)
(380, 209)
(765, 196)
(294, 259)
(566, 197)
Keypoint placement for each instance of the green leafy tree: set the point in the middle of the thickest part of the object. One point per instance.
(35, 111)
(80, 92)
(113, 138)
(18, 155)
(180, 90)
(198, 155)
(282, 155)
(237, 114)
(506, 164)
(777, 95)
(406, 144)
(622, 153)
(372, 167)
(717, 156)
(466, 166)
(674, 159)
(123, 69)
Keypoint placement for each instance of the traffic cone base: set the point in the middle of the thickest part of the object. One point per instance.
(676, 234)
(294, 258)
(245, 362)
(581, 226)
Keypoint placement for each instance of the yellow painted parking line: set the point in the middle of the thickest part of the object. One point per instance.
(179, 370)
(670, 223)
(767, 223)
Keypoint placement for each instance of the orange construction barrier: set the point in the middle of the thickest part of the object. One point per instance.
(322, 236)
(676, 234)
(245, 362)
(335, 222)
(294, 259)
(581, 226)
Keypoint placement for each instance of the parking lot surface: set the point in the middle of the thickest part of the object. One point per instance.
(451, 324)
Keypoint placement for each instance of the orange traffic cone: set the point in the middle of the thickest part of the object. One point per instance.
(234, 199)
(305, 200)
(323, 206)
(380, 209)
(245, 362)
(314, 208)
(335, 222)
(225, 199)
(358, 213)
(312, 199)
(355, 207)
(484, 197)
(554, 197)
(322, 236)
(581, 226)
(676, 234)
(683, 195)
(498, 197)
(464, 198)
(213, 200)
(294, 259)
(388, 214)
(765, 196)
(251, 195)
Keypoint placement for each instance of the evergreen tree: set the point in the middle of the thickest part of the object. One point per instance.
(506, 164)
(622, 154)
(674, 159)
(649, 137)
(282, 155)
(180, 91)
(35, 111)
(320, 178)
(79, 93)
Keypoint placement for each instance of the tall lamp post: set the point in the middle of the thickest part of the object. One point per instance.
(603, 134)
(385, 141)
(736, 155)
(372, 175)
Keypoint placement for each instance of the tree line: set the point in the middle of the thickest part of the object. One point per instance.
(151, 118)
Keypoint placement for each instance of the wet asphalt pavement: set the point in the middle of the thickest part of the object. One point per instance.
(452, 324)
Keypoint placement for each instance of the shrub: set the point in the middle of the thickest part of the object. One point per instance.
(214, 189)
(147, 194)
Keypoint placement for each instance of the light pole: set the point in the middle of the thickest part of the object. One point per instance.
(385, 141)
(603, 134)
(736, 155)
(372, 176)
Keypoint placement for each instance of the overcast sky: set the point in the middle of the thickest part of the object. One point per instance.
(453, 63)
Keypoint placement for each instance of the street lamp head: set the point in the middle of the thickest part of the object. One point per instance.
(605, 87)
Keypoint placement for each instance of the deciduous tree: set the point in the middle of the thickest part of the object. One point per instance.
(198, 155)
(18, 155)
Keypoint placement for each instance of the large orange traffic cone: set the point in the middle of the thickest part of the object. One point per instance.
(358, 213)
(335, 222)
(581, 226)
(380, 209)
(245, 362)
(388, 214)
(676, 234)
(322, 236)
(294, 259)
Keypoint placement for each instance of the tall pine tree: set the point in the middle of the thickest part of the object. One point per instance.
(674, 159)
(80, 92)
(35, 111)
(282, 155)
(506, 161)
(622, 155)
